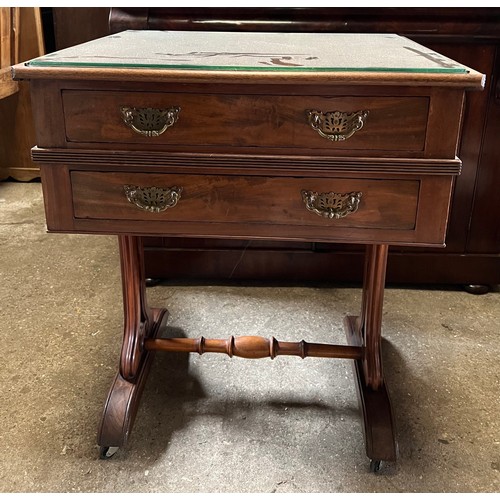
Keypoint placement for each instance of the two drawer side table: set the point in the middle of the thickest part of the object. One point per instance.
(280, 136)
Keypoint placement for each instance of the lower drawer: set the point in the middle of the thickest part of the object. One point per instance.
(249, 200)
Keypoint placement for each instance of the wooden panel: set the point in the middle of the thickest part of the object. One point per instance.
(17, 134)
(74, 25)
(48, 114)
(393, 124)
(57, 197)
(484, 236)
(481, 56)
(9, 49)
(445, 121)
(281, 263)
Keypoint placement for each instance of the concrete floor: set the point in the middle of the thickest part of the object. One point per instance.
(214, 424)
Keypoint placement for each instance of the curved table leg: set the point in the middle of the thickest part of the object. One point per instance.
(365, 331)
(140, 323)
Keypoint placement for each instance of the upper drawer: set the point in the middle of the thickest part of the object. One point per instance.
(374, 124)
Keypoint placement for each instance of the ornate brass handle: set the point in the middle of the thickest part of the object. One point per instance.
(332, 205)
(150, 122)
(153, 199)
(336, 125)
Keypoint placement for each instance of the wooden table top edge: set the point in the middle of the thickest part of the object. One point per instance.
(471, 80)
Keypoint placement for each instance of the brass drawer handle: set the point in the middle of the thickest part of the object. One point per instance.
(150, 122)
(153, 199)
(336, 125)
(332, 205)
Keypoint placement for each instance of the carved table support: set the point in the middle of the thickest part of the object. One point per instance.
(140, 323)
(365, 331)
(254, 347)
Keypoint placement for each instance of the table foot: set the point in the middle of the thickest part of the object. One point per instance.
(375, 406)
(124, 397)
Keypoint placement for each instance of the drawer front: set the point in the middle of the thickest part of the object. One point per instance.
(327, 125)
(255, 200)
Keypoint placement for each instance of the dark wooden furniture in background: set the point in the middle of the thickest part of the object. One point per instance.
(325, 139)
(22, 38)
(472, 254)
(75, 25)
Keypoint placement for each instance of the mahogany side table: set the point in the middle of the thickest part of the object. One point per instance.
(282, 136)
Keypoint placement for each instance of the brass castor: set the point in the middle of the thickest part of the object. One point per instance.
(106, 452)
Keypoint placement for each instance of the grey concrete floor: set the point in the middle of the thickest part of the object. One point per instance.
(214, 424)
